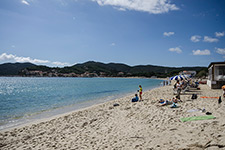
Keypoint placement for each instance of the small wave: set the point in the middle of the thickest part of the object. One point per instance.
(106, 91)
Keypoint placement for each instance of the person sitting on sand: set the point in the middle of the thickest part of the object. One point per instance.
(179, 87)
(176, 99)
(135, 99)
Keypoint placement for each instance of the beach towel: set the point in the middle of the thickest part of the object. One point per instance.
(193, 110)
(197, 118)
(208, 97)
(174, 105)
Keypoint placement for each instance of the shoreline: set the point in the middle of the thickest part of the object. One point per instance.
(53, 113)
(141, 125)
(88, 77)
(32, 116)
(37, 121)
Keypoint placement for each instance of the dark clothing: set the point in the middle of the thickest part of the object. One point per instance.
(135, 99)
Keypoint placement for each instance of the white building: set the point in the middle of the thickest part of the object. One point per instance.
(216, 78)
(189, 73)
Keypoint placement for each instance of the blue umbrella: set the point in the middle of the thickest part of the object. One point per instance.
(178, 77)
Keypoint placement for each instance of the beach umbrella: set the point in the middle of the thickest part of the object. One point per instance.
(178, 77)
(187, 76)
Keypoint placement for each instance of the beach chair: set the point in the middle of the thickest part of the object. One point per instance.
(183, 90)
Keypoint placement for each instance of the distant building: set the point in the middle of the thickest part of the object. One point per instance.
(189, 73)
(153, 77)
(120, 74)
(216, 78)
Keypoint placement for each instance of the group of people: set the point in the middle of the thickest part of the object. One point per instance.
(136, 98)
(182, 85)
(173, 102)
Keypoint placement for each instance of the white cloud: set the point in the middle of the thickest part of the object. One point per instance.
(112, 44)
(220, 51)
(195, 38)
(209, 39)
(176, 49)
(13, 58)
(168, 33)
(57, 63)
(219, 34)
(25, 2)
(201, 52)
(150, 6)
(120, 8)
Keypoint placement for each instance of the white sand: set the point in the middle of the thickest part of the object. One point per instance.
(129, 126)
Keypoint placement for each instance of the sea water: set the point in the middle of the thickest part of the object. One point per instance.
(24, 99)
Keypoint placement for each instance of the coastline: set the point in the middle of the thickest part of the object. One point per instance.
(86, 102)
(140, 125)
(73, 109)
(83, 108)
(43, 115)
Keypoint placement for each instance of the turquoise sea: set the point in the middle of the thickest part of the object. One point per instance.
(24, 99)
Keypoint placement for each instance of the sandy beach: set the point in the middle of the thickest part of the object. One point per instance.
(142, 125)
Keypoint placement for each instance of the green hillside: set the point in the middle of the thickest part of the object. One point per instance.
(13, 69)
(110, 69)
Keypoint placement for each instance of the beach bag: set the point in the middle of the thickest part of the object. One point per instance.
(116, 104)
(174, 105)
(219, 100)
(194, 96)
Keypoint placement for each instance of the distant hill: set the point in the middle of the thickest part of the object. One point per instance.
(114, 68)
(99, 69)
(13, 69)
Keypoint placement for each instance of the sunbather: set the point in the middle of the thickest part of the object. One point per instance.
(172, 101)
(165, 102)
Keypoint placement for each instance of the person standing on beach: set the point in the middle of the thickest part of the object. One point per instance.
(140, 92)
(178, 86)
(223, 87)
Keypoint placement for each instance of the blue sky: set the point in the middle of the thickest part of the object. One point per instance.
(135, 32)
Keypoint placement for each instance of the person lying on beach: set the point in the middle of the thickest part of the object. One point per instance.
(172, 101)
(135, 99)
(165, 102)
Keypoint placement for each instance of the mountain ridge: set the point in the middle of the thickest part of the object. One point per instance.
(98, 68)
